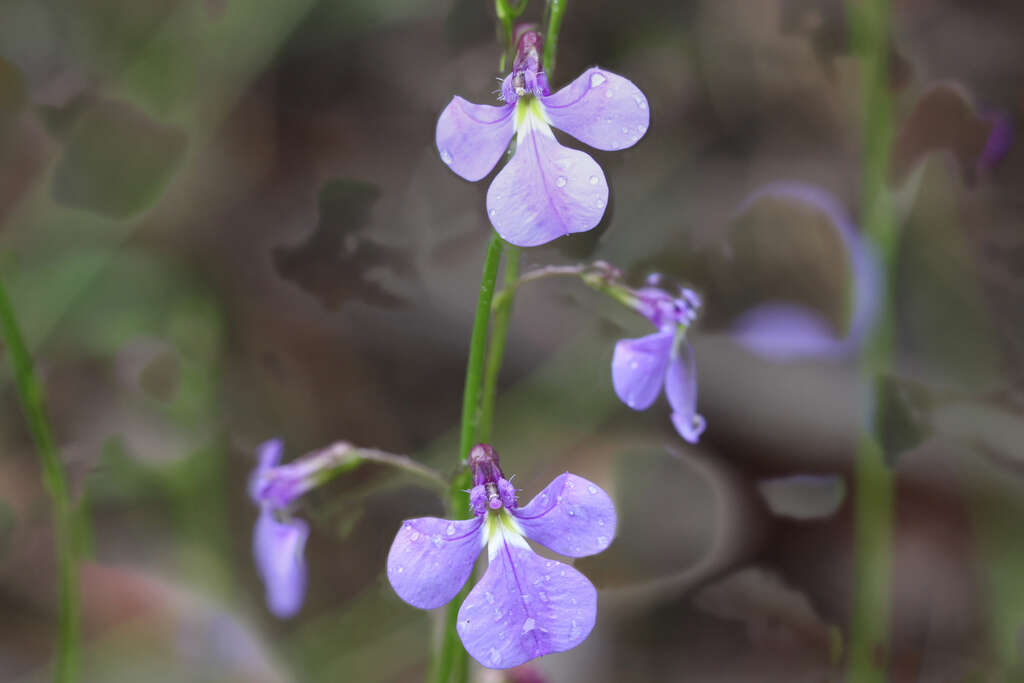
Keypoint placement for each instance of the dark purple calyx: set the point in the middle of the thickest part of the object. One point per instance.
(490, 487)
(527, 77)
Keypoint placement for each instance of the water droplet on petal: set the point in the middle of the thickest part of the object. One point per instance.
(446, 157)
(451, 529)
(594, 180)
(492, 213)
(600, 522)
(601, 539)
(596, 80)
(625, 130)
(608, 93)
(560, 181)
(640, 102)
(572, 600)
(529, 625)
(592, 489)
(437, 541)
(543, 596)
(489, 597)
(574, 629)
(415, 536)
(496, 656)
(400, 570)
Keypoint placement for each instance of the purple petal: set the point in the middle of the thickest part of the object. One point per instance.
(600, 108)
(572, 516)
(681, 389)
(999, 141)
(779, 331)
(638, 368)
(472, 137)
(867, 275)
(278, 549)
(545, 191)
(270, 453)
(431, 559)
(524, 607)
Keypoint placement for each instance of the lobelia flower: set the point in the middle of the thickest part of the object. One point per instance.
(278, 541)
(525, 606)
(546, 190)
(641, 367)
(781, 331)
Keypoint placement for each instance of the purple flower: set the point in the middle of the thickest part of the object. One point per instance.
(525, 606)
(278, 542)
(641, 367)
(546, 190)
(782, 331)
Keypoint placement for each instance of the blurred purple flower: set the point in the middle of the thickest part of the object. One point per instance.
(999, 141)
(278, 543)
(782, 331)
(546, 190)
(525, 606)
(641, 367)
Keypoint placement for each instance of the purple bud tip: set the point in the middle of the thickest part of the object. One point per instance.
(483, 462)
(494, 503)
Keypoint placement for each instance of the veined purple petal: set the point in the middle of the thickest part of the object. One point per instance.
(278, 549)
(638, 368)
(524, 607)
(681, 389)
(431, 559)
(546, 190)
(572, 516)
(780, 331)
(868, 279)
(472, 137)
(600, 108)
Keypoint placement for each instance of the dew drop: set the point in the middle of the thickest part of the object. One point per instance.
(450, 530)
(560, 181)
(640, 102)
(415, 536)
(496, 656)
(600, 522)
(574, 629)
(547, 577)
(446, 156)
(596, 80)
(594, 180)
(489, 597)
(400, 570)
(625, 130)
(572, 600)
(437, 541)
(550, 564)
(592, 489)
(492, 213)
(608, 93)
(572, 513)
(529, 625)
(497, 614)
(543, 596)
(601, 539)
(562, 573)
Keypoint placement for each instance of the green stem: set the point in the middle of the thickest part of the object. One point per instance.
(496, 348)
(31, 396)
(556, 8)
(873, 482)
(453, 662)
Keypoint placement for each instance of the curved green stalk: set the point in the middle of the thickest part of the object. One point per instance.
(873, 482)
(556, 8)
(453, 663)
(496, 348)
(30, 395)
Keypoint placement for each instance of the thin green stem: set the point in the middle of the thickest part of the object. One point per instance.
(31, 396)
(556, 8)
(496, 348)
(873, 482)
(453, 662)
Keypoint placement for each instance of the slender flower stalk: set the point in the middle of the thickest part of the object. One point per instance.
(873, 482)
(30, 394)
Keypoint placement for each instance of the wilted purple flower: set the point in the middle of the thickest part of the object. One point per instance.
(278, 542)
(525, 606)
(641, 367)
(546, 190)
(783, 331)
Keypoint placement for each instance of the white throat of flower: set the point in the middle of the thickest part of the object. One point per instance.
(499, 528)
(530, 116)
